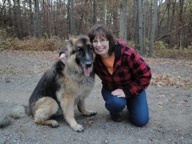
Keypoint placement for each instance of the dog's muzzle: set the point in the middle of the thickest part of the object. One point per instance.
(88, 63)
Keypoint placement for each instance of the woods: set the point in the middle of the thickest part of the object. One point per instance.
(141, 21)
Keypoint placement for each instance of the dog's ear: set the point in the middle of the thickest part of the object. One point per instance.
(71, 45)
(71, 42)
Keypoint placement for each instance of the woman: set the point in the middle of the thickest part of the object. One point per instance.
(124, 75)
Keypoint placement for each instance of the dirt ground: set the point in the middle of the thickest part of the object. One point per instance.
(169, 98)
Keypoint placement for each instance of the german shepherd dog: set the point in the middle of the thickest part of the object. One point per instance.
(65, 85)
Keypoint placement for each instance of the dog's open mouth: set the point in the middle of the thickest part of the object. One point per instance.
(87, 71)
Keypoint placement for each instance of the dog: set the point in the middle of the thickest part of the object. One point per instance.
(64, 86)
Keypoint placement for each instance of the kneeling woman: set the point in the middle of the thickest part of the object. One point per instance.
(124, 75)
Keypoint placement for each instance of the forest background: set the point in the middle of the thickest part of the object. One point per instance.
(154, 27)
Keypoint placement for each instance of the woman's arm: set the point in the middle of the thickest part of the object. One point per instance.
(141, 72)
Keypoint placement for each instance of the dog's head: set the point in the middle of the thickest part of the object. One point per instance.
(80, 54)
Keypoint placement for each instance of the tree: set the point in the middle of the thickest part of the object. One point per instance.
(181, 23)
(94, 12)
(72, 29)
(140, 25)
(123, 20)
(152, 36)
(30, 21)
(37, 28)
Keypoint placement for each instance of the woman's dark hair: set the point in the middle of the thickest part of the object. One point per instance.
(105, 32)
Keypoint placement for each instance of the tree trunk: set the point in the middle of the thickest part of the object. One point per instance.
(154, 19)
(31, 24)
(115, 15)
(181, 37)
(37, 27)
(140, 25)
(123, 20)
(94, 12)
(71, 18)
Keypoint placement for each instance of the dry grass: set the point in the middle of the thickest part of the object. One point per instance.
(162, 50)
(174, 53)
(33, 44)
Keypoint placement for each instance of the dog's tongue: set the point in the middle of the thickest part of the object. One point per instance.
(87, 71)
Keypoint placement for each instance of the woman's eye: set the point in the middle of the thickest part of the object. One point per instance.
(102, 40)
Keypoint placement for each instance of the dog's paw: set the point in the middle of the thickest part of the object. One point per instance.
(90, 114)
(78, 128)
(54, 124)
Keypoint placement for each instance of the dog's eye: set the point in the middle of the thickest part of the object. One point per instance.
(90, 47)
(79, 49)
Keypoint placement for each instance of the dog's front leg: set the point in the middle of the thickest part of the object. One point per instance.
(83, 110)
(67, 105)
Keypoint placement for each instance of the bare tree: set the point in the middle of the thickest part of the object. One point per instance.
(31, 22)
(37, 28)
(94, 12)
(181, 23)
(140, 25)
(115, 15)
(123, 20)
(72, 29)
(152, 36)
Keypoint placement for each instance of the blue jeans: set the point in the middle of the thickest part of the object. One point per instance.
(137, 106)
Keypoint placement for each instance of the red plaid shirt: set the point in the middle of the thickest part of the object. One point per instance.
(130, 72)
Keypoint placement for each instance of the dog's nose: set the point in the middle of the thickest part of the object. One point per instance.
(88, 63)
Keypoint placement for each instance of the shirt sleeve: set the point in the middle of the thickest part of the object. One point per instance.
(141, 74)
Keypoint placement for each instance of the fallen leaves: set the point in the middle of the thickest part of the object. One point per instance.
(169, 80)
(171, 72)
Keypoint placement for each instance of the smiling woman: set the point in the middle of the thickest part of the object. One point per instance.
(124, 75)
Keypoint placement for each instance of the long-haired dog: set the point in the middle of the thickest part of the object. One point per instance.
(64, 86)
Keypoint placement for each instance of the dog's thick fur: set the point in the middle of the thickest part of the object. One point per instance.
(65, 85)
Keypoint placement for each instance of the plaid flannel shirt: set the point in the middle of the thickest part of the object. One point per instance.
(130, 72)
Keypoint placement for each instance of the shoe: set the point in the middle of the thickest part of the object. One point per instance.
(116, 118)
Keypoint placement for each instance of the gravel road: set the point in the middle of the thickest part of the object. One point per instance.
(170, 106)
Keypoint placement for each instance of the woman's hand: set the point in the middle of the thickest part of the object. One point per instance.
(118, 93)
(62, 57)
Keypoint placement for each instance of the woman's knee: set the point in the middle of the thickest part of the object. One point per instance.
(138, 108)
(139, 121)
(115, 104)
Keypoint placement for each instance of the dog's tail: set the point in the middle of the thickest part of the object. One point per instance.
(16, 113)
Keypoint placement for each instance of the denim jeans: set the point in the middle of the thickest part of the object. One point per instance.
(137, 106)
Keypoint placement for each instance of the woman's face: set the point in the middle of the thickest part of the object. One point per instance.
(101, 46)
